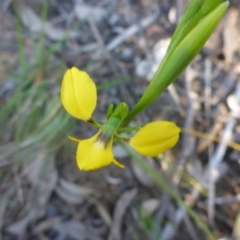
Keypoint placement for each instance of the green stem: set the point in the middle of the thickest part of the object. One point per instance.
(94, 123)
(128, 129)
(110, 128)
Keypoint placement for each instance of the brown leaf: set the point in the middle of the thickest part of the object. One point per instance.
(150, 205)
(42, 174)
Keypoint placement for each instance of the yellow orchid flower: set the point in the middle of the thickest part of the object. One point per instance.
(78, 94)
(79, 97)
(94, 153)
(155, 138)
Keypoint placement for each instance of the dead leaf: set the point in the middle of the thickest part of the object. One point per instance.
(121, 206)
(46, 224)
(113, 180)
(68, 198)
(4, 203)
(18, 228)
(76, 230)
(84, 11)
(74, 189)
(42, 174)
(72, 193)
(150, 205)
(102, 211)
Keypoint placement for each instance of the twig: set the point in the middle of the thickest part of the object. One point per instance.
(224, 200)
(135, 28)
(212, 134)
(215, 161)
(186, 140)
(219, 154)
(207, 103)
(169, 230)
(173, 92)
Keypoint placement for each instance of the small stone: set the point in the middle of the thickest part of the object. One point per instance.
(127, 54)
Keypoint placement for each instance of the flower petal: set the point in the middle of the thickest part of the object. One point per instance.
(74, 139)
(93, 153)
(78, 94)
(118, 164)
(155, 138)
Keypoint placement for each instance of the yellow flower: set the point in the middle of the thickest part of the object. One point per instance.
(78, 94)
(94, 153)
(155, 138)
(79, 97)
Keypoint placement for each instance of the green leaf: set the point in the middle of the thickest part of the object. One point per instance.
(179, 58)
(110, 111)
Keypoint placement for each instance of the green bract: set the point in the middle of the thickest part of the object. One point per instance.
(196, 26)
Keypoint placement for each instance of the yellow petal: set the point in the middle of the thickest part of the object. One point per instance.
(93, 154)
(74, 139)
(118, 164)
(78, 94)
(155, 138)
